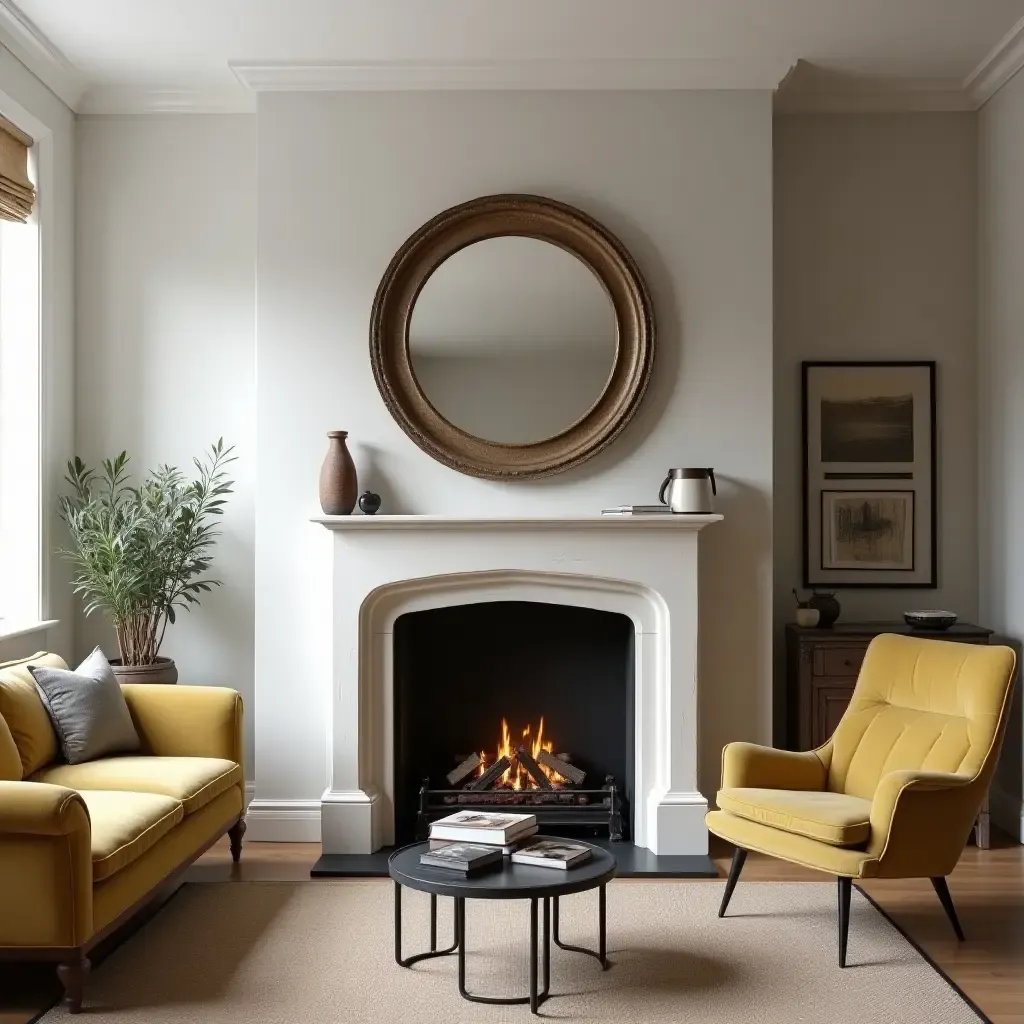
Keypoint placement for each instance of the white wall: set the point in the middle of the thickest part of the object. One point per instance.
(165, 360)
(1001, 386)
(875, 248)
(684, 179)
(31, 105)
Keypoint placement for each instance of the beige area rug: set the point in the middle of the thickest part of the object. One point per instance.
(317, 952)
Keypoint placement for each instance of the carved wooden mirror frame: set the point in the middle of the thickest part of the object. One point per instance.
(491, 217)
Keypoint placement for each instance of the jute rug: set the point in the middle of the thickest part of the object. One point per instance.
(317, 952)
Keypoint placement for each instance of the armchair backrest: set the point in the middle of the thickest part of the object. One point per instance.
(924, 705)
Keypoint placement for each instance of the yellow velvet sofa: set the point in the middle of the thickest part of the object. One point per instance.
(84, 847)
(896, 790)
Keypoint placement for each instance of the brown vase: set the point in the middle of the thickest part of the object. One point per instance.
(338, 486)
(163, 670)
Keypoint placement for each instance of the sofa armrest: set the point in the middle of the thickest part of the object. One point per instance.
(757, 767)
(45, 866)
(920, 821)
(186, 721)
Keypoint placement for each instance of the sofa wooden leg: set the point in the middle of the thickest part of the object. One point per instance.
(235, 834)
(72, 975)
(942, 891)
(845, 887)
(738, 858)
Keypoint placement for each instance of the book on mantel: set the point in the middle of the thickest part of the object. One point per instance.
(464, 857)
(638, 510)
(483, 827)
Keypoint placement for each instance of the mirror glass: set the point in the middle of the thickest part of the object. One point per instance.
(512, 339)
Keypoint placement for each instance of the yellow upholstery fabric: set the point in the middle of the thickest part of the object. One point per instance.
(834, 818)
(67, 870)
(125, 826)
(195, 781)
(46, 896)
(24, 712)
(917, 746)
(187, 721)
(10, 759)
(114, 896)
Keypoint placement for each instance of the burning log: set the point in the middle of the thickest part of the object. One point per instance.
(525, 758)
(567, 771)
(492, 774)
(458, 774)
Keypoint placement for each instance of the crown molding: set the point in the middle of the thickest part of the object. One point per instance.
(103, 100)
(21, 36)
(535, 74)
(1002, 62)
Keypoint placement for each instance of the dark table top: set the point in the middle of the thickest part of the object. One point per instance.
(506, 881)
(958, 629)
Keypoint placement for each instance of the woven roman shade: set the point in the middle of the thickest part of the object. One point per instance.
(17, 193)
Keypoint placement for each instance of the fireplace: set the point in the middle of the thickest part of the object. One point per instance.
(637, 577)
(503, 694)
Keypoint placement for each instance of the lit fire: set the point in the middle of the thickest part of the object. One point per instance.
(517, 777)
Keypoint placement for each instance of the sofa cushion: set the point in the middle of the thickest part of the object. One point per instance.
(125, 825)
(25, 714)
(87, 709)
(10, 759)
(832, 818)
(195, 781)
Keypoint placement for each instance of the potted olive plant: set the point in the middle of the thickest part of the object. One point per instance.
(142, 552)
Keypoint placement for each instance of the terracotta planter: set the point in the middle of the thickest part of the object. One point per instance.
(163, 670)
(338, 486)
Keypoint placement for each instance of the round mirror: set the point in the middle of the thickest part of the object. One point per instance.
(512, 339)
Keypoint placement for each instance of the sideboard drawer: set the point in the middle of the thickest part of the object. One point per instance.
(838, 661)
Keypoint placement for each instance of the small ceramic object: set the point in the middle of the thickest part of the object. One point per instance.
(807, 617)
(369, 502)
(826, 603)
(931, 618)
(338, 484)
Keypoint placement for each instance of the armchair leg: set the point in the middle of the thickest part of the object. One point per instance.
(738, 858)
(72, 975)
(235, 834)
(845, 886)
(942, 891)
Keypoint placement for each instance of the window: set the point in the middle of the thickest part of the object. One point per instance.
(20, 406)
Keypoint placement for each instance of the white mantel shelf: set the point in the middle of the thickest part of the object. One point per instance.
(643, 522)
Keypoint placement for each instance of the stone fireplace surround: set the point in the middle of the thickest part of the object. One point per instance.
(645, 568)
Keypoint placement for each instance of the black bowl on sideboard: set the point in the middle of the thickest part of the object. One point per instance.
(930, 619)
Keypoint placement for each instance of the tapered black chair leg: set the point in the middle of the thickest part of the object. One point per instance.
(738, 857)
(845, 886)
(942, 891)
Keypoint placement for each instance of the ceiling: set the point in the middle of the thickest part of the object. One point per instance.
(106, 53)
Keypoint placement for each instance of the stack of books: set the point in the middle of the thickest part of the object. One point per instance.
(469, 841)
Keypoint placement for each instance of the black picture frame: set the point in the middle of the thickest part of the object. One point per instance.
(919, 476)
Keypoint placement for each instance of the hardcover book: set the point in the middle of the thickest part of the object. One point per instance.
(552, 853)
(483, 827)
(464, 857)
(508, 849)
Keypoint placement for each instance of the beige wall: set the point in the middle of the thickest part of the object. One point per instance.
(1001, 402)
(875, 224)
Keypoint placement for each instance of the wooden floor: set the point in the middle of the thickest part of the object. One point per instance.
(987, 887)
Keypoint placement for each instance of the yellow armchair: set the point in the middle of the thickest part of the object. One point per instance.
(895, 792)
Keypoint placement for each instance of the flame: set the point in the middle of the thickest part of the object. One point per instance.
(517, 777)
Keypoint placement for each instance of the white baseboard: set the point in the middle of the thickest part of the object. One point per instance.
(1007, 812)
(282, 821)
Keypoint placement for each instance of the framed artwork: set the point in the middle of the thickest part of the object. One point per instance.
(869, 474)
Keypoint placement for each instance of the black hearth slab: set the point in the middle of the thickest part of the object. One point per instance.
(634, 862)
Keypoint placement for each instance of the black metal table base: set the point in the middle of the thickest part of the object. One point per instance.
(538, 992)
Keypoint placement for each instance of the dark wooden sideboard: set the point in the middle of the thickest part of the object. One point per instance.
(821, 672)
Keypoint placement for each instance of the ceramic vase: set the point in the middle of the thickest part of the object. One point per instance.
(827, 605)
(338, 485)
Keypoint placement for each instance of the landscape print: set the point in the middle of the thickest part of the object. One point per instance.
(869, 530)
(868, 429)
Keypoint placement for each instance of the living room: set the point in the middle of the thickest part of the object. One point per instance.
(455, 285)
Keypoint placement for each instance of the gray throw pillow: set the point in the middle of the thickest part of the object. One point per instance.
(87, 709)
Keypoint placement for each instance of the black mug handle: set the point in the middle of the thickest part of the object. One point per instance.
(714, 489)
(661, 493)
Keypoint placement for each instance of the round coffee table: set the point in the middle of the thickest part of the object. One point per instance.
(509, 882)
